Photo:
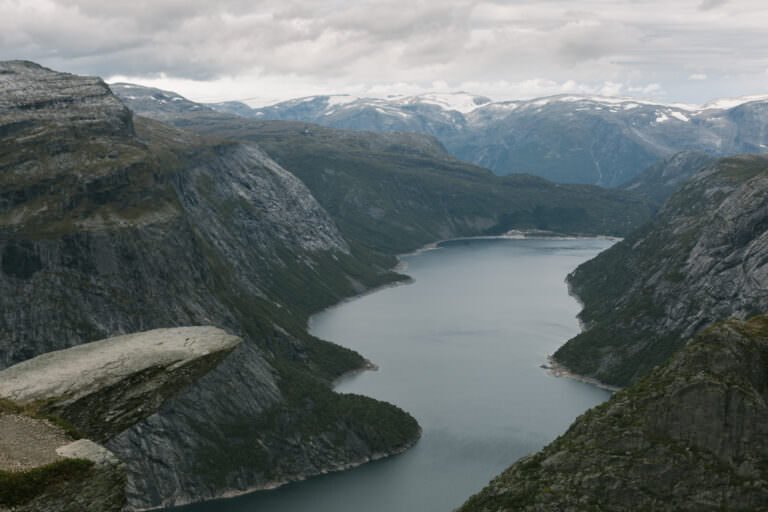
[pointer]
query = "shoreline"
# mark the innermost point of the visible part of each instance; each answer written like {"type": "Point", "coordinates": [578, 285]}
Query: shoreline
{"type": "Point", "coordinates": [553, 368]}
{"type": "Point", "coordinates": [368, 366]}
{"type": "Point", "coordinates": [276, 484]}
{"type": "Point", "coordinates": [402, 266]}
{"type": "Point", "coordinates": [557, 370]}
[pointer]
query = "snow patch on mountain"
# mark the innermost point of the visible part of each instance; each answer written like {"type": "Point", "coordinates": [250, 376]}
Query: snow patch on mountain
{"type": "Point", "coordinates": [726, 103]}
{"type": "Point", "coordinates": [342, 99]}
{"type": "Point", "coordinates": [459, 101]}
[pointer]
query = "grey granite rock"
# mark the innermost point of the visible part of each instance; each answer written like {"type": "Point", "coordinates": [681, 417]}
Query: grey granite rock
{"type": "Point", "coordinates": [105, 387]}
{"type": "Point", "coordinates": [88, 450]}
{"type": "Point", "coordinates": [703, 259]}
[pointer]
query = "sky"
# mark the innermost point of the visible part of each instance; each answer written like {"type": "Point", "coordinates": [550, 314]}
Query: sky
{"type": "Point", "coordinates": [263, 51]}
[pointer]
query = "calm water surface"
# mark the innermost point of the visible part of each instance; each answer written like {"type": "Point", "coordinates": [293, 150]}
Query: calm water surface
{"type": "Point", "coordinates": [460, 349]}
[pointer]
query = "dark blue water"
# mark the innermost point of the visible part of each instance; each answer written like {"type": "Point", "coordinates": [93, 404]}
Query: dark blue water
{"type": "Point", "coordinates": [460, 348]}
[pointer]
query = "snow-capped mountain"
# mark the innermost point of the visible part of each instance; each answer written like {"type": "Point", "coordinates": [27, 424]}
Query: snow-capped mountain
{"type": "Point", "coordinates": [157, 100]}
{"type": "Point", "coordinates": [566, 138]}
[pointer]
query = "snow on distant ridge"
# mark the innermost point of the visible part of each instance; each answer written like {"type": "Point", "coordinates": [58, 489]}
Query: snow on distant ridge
{"type": "Point", "coordinates": [459, 101]}
{"type": "Point", "coordinates": [466, 103]}
{"type": "Point", "coordinates": [726, 103]}
{"type": "Point", "coordinates": [341, 99]}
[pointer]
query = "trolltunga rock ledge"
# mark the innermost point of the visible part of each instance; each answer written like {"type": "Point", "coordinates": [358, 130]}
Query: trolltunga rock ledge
{"type": "Point", "coordinates": [104, 387]}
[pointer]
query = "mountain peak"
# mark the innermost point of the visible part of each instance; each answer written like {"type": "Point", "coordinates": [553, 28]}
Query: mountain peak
{"type": "Point", "coordinates": [30, 93]}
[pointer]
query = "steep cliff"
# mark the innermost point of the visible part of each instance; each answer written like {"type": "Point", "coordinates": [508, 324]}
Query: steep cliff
{"type": "Point", "coordinates": [104, 387]}
{"type": "Point", "coordinates": [704, 258]}
{"type": "Point", "coordinates": [395, 192]}
{"type": "Point", "coordinates": [96, 390]}
{"type": "Point", "coordinates": [111, 225]}
{"type": "Point", "coordinates": [691, 436]}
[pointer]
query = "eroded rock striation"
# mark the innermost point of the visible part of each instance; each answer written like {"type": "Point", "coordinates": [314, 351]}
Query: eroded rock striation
{"type": "Point", "coordinates": [702, 260]}
{"type": "Point", "coordinates": [691, 436]}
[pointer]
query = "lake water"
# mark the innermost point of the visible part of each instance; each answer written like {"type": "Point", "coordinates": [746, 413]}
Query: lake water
{"type": "Point", "coordinates": [460, 348]}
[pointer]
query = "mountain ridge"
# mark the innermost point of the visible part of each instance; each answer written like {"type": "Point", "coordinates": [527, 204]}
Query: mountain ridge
{"type": "Point", "coordinates": [701, 259]}
{"type": "Point", "coordinates": [395, 192]}
{"type": "Point", "coordinates": [565, 138]}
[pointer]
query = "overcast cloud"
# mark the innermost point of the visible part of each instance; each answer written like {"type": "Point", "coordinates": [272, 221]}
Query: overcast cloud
{"type": "Point", "coordinates": [685, 51]}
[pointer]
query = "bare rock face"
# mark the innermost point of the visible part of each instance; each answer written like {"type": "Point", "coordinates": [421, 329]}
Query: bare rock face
{"type": "Point", "coordinates": [106, 386]}
{"type": "Point", "coordinates": [30, 92]}
{"type": "Point", "coordinates": [692, 436]}
{"type": "Point", "coordinates": [110, 227]}
{"type": "Point", "coordinates": [702, 260]}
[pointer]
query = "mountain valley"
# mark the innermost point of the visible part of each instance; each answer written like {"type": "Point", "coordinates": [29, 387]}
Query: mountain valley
{"type": "Point", "coordinates": [129, 209]}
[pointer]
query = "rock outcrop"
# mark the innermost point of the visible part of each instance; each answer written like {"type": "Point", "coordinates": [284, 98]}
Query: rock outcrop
{"type": "Point", "coordinates": [104, 387]}
{"type": "Point", "coordinates": [100, 389]}
{"type": "Point", "coordinates": [702, 260]}
{"type": "Point", "coordinates": [111, 224]}
{"type": "Point", "coordinates": [691, 436]}
{"type": "Point", "coordinates": [31, 94]}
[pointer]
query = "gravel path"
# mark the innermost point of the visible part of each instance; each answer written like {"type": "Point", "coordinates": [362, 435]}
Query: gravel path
{"type": "Point", "coordinates": [27, 443]}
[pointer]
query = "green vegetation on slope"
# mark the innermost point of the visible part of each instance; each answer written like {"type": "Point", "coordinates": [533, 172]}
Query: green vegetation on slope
{"type": "Point", "coordinates": [18, 488]}
{"type": "Point", "coordinates": [396, 192]}
{"type": "Point", "coordinates": [701, 260]}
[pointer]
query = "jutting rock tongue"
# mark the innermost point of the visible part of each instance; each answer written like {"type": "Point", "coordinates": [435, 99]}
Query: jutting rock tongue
{"type": "Point", "coordinates": [104, 387]}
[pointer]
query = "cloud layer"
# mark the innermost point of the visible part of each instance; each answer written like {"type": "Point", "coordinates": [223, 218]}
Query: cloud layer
{"type": "Point", "coordinates": [275, 49]}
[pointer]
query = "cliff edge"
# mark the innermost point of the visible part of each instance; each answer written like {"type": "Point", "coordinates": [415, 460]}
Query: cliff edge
{"type": "Point", "coordinates": [97, 390]}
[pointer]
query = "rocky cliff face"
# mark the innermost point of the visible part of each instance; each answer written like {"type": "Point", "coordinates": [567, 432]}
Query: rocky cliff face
{"type": "Point", "coordinates": [111, 225]}
{"type": "Point", "coordinates": [30, 94]}
{"type": "Point", "coordinates": [99, 390]}
{"type": "Point", "coordinates": [104, 387]}
{"type": "Point", "coordinates": [689, 437]}
{"type": "Point", "coordinates": [395, 192]}
{"type": "Point", "coordinates": [703, 259]}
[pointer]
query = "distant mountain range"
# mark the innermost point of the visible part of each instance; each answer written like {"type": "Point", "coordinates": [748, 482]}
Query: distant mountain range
{"type": "Point", "coordinates": [394, 192]}
{"type": "Point", "coordinates": [567, 138]}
